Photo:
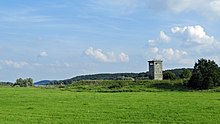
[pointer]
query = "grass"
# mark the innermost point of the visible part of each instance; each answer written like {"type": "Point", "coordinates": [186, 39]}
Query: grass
{"type": "Point", "coordinates": [37, 105]}
{"type": "Point", "coordinates": [127, 85]}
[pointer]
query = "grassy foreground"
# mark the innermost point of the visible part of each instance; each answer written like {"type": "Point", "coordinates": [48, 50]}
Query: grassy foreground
{"type": "Point", "coordinates": [36, 105]}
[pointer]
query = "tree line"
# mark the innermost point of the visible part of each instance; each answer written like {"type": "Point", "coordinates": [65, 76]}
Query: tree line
{"type": "Point", "coordinates": [205, 75]}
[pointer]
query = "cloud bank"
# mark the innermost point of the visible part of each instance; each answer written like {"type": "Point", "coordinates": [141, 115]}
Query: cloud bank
{"type": "Point", "coordinates": [186, 43]}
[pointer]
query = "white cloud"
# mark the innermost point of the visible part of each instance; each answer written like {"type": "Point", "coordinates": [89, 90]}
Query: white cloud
{"type": "Point", "coordinates": [154, 49]}
{"type": "Point", "coordinates": [14, 64]}
{"type": "Point", "coordinates": [123, 57]}
{"type": "Point", "coordinates": [181, 5]}
{"type": "Point", "coordinates": [177, 30]}
{"type": "Point", "coordinates": [43, 54]}
{"type": "Point", "coordinates": [151, 43]}
{"type": "Point", "coordinates": [173, 54]}
{"type": "Point", "coordinates": [208, 8]}
{"type": "Point", "coordinates": [102, 56]}
{"type": "Point", "coordinates": [194, 35]}
{"type": "Point", "coordinates": [187, 44]}
{"type": "Point", "coordinates": [215, 6]}
{"type": "Point", "coordinates": [167, 53]}
{"type": "Point", "coordinates": [164, 37]}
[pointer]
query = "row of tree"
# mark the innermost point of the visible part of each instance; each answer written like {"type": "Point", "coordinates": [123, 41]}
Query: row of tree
{"type": "Point", "coordinates": [205, 75]}
{"type": "Point", "coordinates": [185, 74]}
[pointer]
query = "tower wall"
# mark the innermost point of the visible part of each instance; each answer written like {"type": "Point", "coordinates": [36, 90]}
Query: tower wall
{"type": "Point", "coordinates": [156, 70]}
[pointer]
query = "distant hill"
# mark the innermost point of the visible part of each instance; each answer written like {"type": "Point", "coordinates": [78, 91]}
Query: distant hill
{"type": "Point", "coordinates": [43, 82]}
{"type": "Point", "coordinates": [107, 76]}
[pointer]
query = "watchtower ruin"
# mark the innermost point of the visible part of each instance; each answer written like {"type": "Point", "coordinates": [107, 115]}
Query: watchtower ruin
{"type": "Point", "coordinates": [156, 70]}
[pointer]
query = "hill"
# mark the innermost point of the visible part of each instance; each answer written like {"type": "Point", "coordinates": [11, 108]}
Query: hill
{"type": "Point", "coordinates": [43, 82]}
{"type": "Point", "coordinates": [108, 76]}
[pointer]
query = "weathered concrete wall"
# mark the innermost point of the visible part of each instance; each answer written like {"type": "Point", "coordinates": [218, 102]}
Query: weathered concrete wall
{"type": "Point", "coordinates": [156, 70]}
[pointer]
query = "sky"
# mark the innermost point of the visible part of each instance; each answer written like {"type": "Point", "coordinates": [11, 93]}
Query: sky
{"type": "Point", "coordinates": [60, 39]}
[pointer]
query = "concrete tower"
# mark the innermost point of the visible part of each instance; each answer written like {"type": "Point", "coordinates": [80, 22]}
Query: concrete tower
{"type": "Point", "coordinates": [156, 70]}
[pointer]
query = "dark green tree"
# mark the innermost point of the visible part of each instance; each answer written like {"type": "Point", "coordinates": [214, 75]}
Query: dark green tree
{"type": "Point", "coordinates": [205, 75]}
{"type": "Point", "coordinates": [186, 74]}
{"type": "Point", "coordinates": [169, 75]}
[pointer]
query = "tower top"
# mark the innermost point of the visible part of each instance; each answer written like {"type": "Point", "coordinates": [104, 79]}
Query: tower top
{"type": "Point", "coordinates": [156, 60]}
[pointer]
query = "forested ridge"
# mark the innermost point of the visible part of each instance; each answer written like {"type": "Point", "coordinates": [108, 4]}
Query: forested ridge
{"type": "Point", "coordinates": [110, 76]}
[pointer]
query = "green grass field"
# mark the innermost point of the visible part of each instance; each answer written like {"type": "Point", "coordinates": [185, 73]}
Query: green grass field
{"type": "Point", "coordinates": [36, 105]}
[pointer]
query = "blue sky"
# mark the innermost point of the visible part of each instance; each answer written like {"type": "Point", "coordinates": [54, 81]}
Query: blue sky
{"type": "Point", "coordinates": [59, 39]}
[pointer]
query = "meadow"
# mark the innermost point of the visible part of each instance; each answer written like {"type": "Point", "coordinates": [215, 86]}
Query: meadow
{"type": "Point", "coordinates": [40, 105]}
